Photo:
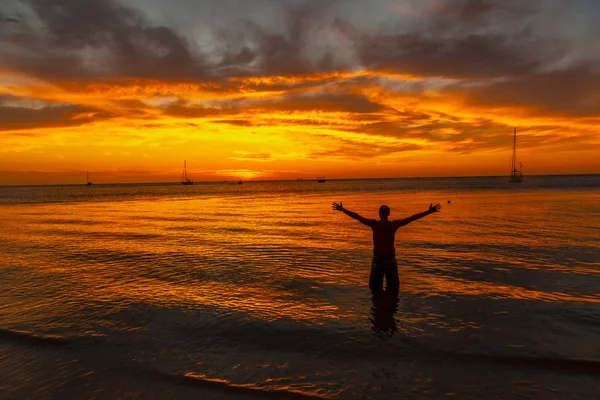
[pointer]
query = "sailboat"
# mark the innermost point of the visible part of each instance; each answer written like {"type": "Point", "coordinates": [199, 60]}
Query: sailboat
{"type": "Point", "coordinates": [184, 178]}
{"type": "Point", "coordinates": [516, 175]}
{"type": "Point", "coordinates": [321, 179]}
{"type": "Point", "coordinates": [87, 178]}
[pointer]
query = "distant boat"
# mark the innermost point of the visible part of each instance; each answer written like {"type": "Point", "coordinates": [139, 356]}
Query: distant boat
{"type": "Point", "coordinates": [321, 179]}
{"type": "Point", "coordinates": [87, 178]}
{"type": "Point", "coordinates": [240, 182]}
{"type": "Point", "coordinates": [516, 175]}
{"type": "Point", "coordinates": [184, 178]}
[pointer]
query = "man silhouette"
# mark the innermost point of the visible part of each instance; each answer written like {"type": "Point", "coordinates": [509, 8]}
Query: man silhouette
{"type": "Point", "coordinates": [384, 253]}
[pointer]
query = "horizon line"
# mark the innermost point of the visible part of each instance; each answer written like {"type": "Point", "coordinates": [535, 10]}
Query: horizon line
{"type": "Point", "coordinates": [286, 180]}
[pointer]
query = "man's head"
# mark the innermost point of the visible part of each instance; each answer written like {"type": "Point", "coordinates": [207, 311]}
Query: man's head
{"type": "Point", "coordinates": [384, 212]}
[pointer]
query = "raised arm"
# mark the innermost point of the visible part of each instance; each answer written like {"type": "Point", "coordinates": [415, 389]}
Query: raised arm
{"type": "Point", "coordinates": [352, 214]}
{"type": "Point", "coordinates": [432, 209]}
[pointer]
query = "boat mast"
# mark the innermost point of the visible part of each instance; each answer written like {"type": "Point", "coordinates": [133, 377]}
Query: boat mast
{"type": "Point", "coordinates": [514, 159]}
{"type": "Point", "coordinates": [184, 175]}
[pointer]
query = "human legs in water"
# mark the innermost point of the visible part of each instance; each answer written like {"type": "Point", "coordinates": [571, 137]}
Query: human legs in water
{"type": "Point", "coordinates": [384, 267]}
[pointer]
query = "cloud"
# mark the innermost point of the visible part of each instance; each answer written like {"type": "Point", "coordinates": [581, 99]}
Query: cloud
{"type": "Point", "coordinates": [324, 101]}
{"type": "Point", "coordinates": [18, 114]}
{"type": "Point", "coordinates": [451, 75]}
{"type": "Point", "coordinates": [4, 19]}
{"type": "Point", "coordinates": [100, 39]}
{"type": "Point", "coordinates": [103, 39]}
{"type": "Point", "coordinates": [182, 109]}
{"type": "Point", "coordinates": [96, 39]}
{"type": "Point", "coordinates": [293, 109]}
{"type": "Point", "coordinates": [465, 15]}
{"type": "Point", "coordinates": [474, 56]}
{"type": "Point", "coordinates": [345, 149]}
{"type": "Point", "coordinates": [247, 156]}
{"type": "Point", "coordinates": [254, 49]}
{"type": "Point", "coordinates": [571, 92]}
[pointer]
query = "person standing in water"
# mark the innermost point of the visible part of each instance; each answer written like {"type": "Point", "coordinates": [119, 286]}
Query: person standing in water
{"type": "Point", "coordinates": [384, 253]}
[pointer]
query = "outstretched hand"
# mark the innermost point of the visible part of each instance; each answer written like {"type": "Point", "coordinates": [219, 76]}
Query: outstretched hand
{"type": "Point", "coordinates": [337, 207]}
{"type": "Point", "coordinates": [435, 208]}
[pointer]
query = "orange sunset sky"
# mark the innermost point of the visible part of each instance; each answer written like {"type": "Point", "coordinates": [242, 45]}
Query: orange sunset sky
{"type": "Point", "coordinates": [265, 89]}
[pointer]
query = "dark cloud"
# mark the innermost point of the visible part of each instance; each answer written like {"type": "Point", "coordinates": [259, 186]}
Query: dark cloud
{"type": "Point", "coordinates": [460, 16]}
{"type": "Point", "coordinates": [97, 38]}
{"type": "Point", "coordinates": [351, 150]}
{"type": "Point", "coordinates": [251, 121]}
{"type": "Point", "coordinates": [328, 102]}
{"type": "Point", "coordinates": [305, 102]}
{"type": "Point", "coordinates": [302, 85]}
{"type": "Point", "coordinates": [464, 39]}
{"type": "Point", "coordinates": [182, 109]}
{"type": "Point", "coordinates": [490, 46]}
{"type": "Point", "coordinates": [468, 10]}
{"type": "Point", "coordinates": [256, 50]}
{"type": "Point", "coordinates": [473, 56]}
{"type": "Point", "coordinates": [129, 104]}
{"type": "Point", "coordinates": [18, 118]}
{"type": "Point", "coordinates": [5, 19]}
{"type": "Point", "coordinates": [238, 122]}
{"type": "Point", "coordinates": [573, 92]}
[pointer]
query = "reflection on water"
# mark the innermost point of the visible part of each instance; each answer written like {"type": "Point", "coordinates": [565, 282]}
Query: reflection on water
{"type": "Point", "coordinates": [384, 308]}
{"type": "Point", "coordinates": [137, 291]}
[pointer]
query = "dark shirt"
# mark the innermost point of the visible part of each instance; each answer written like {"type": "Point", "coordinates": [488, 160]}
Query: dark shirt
{"type": "Point", "coordinates": [384, 234]}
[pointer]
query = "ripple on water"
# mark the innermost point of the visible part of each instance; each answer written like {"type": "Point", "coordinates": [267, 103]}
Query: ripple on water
{"type": "Point", "coordinates": [269, 294]}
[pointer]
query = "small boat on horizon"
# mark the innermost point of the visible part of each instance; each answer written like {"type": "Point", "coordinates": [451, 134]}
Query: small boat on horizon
{"type": "Point", "coordinates": [516, 175]}
{"type": "Point", "coordinates": [321, 179]}
{"type": "Point", "coordinates": [240, 182]}
{"type": "Point", "coordinates": [87, 178]}
{"type": "Point", "coordinates": [184, 177]}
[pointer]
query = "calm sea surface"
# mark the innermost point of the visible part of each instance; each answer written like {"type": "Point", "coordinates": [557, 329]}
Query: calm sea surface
{"type": "Point", "coordinates": [260, 290]}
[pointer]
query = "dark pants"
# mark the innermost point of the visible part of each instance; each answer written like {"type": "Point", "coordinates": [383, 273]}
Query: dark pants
{"type": "Point", "coordinates": [384, 266]}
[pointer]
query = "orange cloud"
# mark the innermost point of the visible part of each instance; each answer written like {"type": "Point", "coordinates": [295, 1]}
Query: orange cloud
{"type": "Point", "coordinates": [131, 99]}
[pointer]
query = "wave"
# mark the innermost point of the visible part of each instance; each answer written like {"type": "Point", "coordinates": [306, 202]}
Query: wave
{"type": "Point", "coordinates": [567, 365]}
{"type": "Point", "coordinates": [226, 386]}
{"type": "Point", "coordinates": [101, 234]}
{"type": "Point", "coordinates": [31, 338]}
{"type": "Point", "coordinates": [316, 340]}
{"type": "Point", "coordinates": [69, 222]}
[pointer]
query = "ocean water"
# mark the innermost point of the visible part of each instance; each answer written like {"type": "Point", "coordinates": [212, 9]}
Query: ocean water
{"type": "Point", "coordinates": [224, 291]}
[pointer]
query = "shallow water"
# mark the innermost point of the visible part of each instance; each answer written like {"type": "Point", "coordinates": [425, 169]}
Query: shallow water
{"type": "Point", "coordinates": [254, 290]}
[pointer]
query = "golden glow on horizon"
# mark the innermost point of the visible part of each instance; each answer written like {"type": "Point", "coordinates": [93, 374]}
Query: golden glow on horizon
{"type": "Point", "coordinates": [278, 127]}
